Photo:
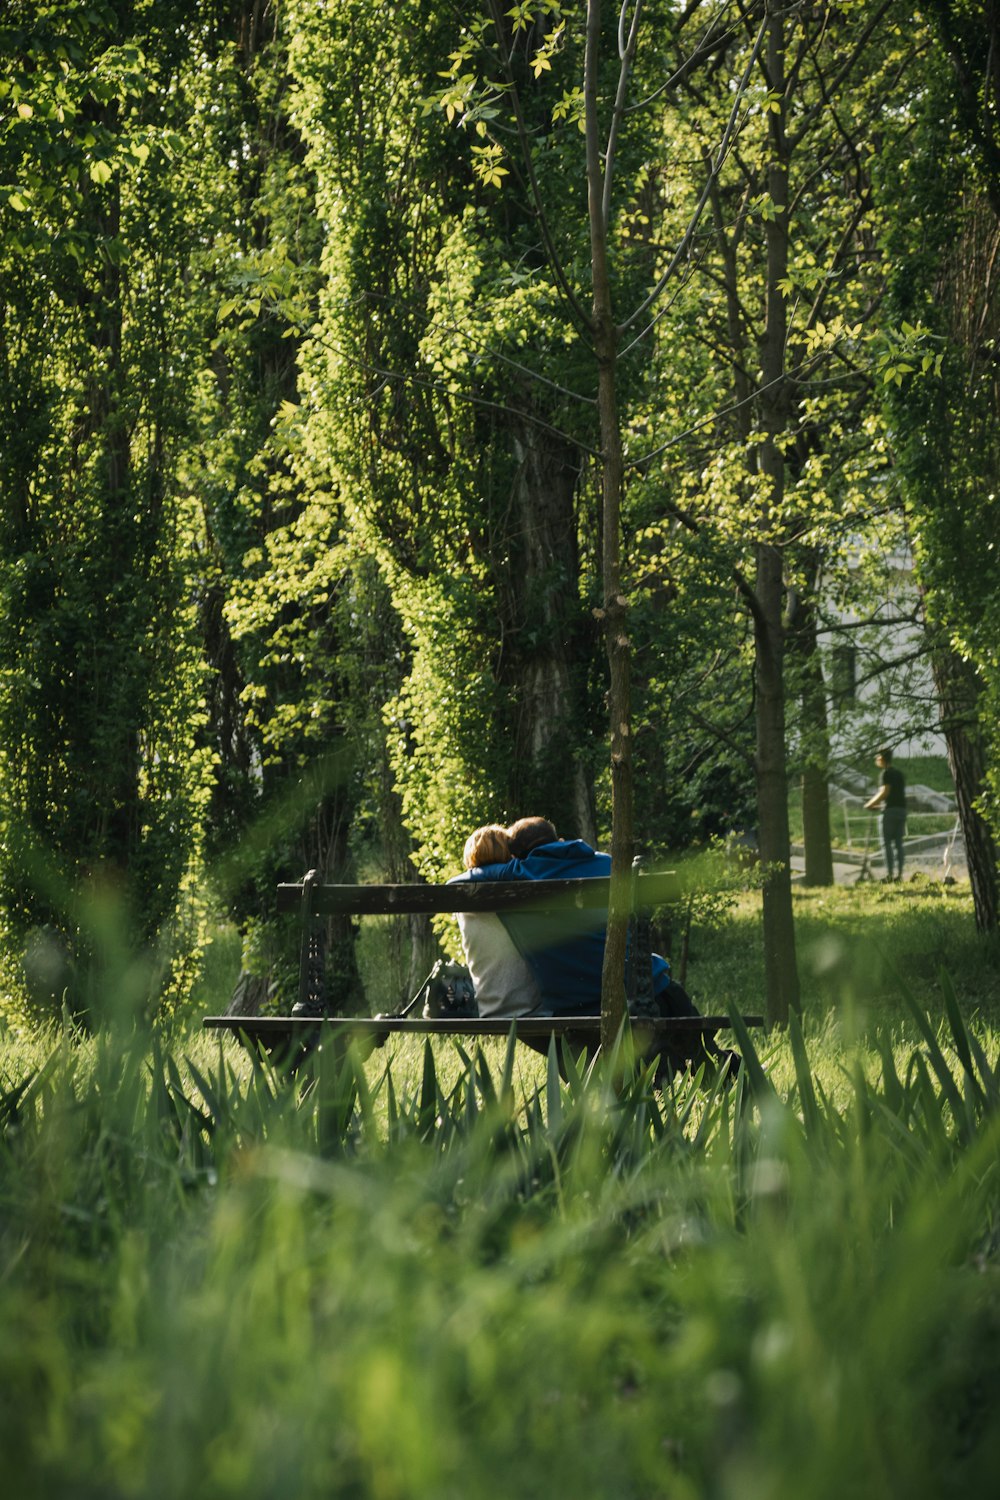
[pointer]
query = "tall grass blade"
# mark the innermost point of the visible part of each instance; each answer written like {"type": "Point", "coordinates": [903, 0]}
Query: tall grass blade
{"type": "Point", "coordinates": [892, 1088]}
{"type": "Point", "coordinates": [391, 1106]}
{"type": "Point", "coordinates": [658, 1119]}
{"type": "Point", "coordinates": [743, 1117]}
{"type": "Point", "coordinates": [553, 1087]}
{"type": "Point", "coordinates": [904, 1143]}
{"type": "Point", "coordinates": [471, 1115]}
{"type": "Point", "coordinates": [11, 1100]}
{"type": "Point", "coordinates": [929, 1115]}
{"type": "Point", "coordinates": [466, 1060]}
{"type": "Point", "coordinates": [570, 1069]}
{"type": "Point", "coordinates": [31, 1087]}
{"type": "Point", "coordinates": [335, 1095]}
{"type": "Point", "coordinates": [507, 1077]}
{"type": "Point", "coordinates": [216, 1104]}
{"type": "Point", "coordinates": [427, 1108]}
{"type": "Point", "coordinates": [862, 1101]}
{"type": "Point", "coordinates": [960, 1036]}
{"type": "Point", "coordinates": [803, 1078]}
{"type": "Point", "coordinates": [934, 1053]}
{"type": "Point", "coordinates": [990, 1076]}
{"type": "Point", "coordinates": [760, 1084]}
{"type": "Point", "coordinates": [487, 1087]}
{"type": "Point", "coordinates": [362, 1093]}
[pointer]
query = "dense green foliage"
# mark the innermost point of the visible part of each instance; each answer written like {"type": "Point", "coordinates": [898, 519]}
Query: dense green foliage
{"type": "Point", "coordinates": [301, 536]}
{"type": "Point", "coordinates": [103, 771]}
{"type": "Point", "coordinates": [301, 543]}
{"type": "Point", "coordinates": [944, 419]}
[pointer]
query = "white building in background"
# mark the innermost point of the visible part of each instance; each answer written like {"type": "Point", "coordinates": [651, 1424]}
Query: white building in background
{"type": "Point", "coordinates": [881, 692]}
{"type": "Point", "coordinates": [881, 689]}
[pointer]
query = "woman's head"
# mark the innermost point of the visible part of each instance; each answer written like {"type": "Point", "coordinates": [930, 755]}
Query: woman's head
{"type": "Point", "coordinates": [489, 845]}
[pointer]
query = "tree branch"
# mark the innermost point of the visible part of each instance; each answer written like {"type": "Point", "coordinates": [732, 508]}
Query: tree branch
{"type": "Point", "coordinates": [575, 305]}
{"type": "Point", "coordinates": [723, 151]}
{"type": "Point", "coordinates": [626, 51]}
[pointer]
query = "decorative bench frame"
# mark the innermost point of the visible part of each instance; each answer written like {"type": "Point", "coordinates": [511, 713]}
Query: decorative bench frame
{"type": "Point", "coordinates": [290, 1039]}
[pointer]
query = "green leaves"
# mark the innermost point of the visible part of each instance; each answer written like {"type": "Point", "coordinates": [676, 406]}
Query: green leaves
{"type": "Point", "coordinates": [487, 164]}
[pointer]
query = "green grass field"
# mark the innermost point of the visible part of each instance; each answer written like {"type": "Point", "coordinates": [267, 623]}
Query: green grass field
{"type": "Point", "coordinates": [430, 1274]}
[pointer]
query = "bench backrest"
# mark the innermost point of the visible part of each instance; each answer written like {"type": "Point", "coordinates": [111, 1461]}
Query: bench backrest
{"type": "Point", "coordinates": [311, 898]}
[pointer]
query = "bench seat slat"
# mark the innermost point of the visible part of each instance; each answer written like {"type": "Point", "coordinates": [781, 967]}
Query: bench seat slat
{"type": "Point", "coordinates": [275, 1027]}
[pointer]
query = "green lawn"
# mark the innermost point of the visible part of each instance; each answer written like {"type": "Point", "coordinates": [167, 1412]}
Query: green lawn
{"type": "Point", "coordinates": [857, 946]}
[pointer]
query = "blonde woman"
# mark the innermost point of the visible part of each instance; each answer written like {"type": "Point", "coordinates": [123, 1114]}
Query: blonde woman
{"type": "Point", "coordinates": [504, 984]}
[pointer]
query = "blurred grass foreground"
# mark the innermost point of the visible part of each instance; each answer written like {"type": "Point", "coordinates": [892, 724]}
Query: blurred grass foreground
{"type": "Point", "coordinates": [436, 1274]}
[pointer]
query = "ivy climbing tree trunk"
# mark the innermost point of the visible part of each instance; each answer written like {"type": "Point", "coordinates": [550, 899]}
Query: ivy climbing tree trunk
{"type": "Point", "coordinates": [958, 690]}
{"type": "Point", "coordinates": [537, 585]}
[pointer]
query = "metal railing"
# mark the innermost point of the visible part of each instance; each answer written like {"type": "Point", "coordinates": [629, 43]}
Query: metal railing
{"type": "Point", "coordinates": [920, 827]}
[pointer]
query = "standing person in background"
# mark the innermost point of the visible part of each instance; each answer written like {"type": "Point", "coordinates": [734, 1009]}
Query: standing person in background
{"type": "Point", "coordinates": [891, 797]}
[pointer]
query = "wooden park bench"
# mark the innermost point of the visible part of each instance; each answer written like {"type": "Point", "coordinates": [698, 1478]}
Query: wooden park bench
{"type": "Point", "coordinates": [289, 1039]}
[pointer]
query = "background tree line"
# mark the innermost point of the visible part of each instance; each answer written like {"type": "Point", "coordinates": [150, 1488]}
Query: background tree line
{"type": "Point", "coordinates": [301, 534]}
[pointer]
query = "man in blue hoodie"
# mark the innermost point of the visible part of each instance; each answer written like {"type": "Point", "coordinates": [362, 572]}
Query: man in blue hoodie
{"type": "Point", "coordinates": [565, 951]}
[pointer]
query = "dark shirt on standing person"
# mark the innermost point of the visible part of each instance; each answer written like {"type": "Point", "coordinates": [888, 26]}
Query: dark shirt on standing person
{"type": "Point", "coordinates": [896, 783]}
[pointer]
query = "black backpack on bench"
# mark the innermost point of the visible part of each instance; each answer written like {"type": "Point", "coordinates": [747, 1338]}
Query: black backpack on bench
{"type": "Point", "coordinates": [448, 993]}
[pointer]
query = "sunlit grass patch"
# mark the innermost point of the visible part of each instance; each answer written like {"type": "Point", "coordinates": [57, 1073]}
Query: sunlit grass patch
{"type": "Point", "coordinates": [856, 945]}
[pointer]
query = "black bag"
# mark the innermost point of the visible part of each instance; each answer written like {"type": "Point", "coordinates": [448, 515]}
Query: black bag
{"type": "Point", "coordinates": [448, 993]}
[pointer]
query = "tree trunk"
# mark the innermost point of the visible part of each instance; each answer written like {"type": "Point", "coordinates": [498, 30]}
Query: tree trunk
{"type": "Point", "coordinates": [780, 971]}
{"type": "Point", "coordinates": [324, 847]}
{"type": "Point", "coordinates": [765, 598]}
{"type": "Point", "coordinates": [613, 1003]}
{"type": "Point", "coordinates": [816, 826]}
{"type": "Point", "coordinates": [249, 994]}
{"type": "Point", "coordinates": [538, 591]}
{"type": "Point", "coordinates": [958, 693]}
{"type": "Point", "coordinates": [815, 737]}
{"type": "Point", "coordinates": [781, 975]}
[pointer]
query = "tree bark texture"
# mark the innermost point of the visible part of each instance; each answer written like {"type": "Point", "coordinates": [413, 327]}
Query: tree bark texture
{"type": "Point", "coordinates": [781, 974]}
{"type": "Point", "coordinates": [958, 694]}
{"type": "Point", "coordinates": [780, 970]}
{"type": "Point", "coordinates": [538, 594]}
{"type": "Point", "coordinates": [619, 705]}
{"type": "Point", "coordinates": [803, 644]}
{"type": "Point", "coordinates": [613, 1004]}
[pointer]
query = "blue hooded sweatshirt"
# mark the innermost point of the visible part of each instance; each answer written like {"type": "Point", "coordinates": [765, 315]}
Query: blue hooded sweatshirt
{"type": "Point", "coordinates": [565, 950]}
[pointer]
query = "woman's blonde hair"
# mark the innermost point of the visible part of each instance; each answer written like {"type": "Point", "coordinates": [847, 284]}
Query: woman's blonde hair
{"type": "Point", "coordinates": [489, 845]}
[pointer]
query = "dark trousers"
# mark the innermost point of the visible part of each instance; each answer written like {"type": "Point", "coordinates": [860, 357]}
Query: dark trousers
{"type": "Point", "coordinates": [674, 1000]}
{"type": "Point", "coordinates": [893, 828]}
